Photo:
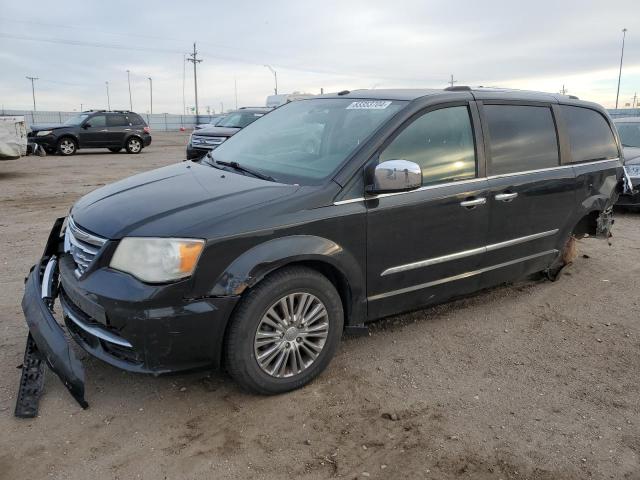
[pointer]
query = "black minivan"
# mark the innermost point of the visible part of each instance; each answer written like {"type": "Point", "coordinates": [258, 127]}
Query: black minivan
{"type": "Point", "coordinates": [259, 256]}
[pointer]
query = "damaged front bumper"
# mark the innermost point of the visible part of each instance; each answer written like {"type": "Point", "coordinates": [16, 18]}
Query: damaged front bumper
{"type": "Point", "coordinates": [51, 343]}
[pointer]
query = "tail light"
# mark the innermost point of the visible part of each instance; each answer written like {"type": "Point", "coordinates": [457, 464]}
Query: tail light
{"type": "Point", "coordinates": [147, 130]}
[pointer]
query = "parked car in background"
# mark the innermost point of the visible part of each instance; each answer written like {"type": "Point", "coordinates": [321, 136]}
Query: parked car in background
{"type": "Point", "coordinates": [275, 101]}
{"type": "Point", "coordinates": [206, 139]}
{"type": "Point", "coordinates": [629, 131]}
{"type": "Point", "coordinates": [260, 256]}
{"type": "Point", "coordinates": [113, 130]}
{"type": "Point", "coordinates": [212, 123]}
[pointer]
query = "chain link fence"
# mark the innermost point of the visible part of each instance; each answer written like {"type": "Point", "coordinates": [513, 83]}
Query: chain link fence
{"type": "Point", "coordinates": [161, 122]}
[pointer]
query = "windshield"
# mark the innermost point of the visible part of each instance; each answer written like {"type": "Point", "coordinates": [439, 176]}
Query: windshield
{"type": "Point", "coordinates": [239, 119]}
{"type": "Point", "coordinates": [76, 120]}
{"type": "Point", "coordinates": [305, 141]}
{"type": "Point", "coordinates": [629, 134]}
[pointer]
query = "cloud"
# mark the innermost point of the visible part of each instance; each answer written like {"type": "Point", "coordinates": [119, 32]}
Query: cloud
{"type": "Point", "coordinates": [332, 45]}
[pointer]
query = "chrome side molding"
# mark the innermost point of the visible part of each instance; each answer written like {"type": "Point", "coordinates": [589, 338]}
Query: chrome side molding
{"type": "Point", "coordinates": [460, 276]}
{"type": "Point", "coordinates": [467, 253]}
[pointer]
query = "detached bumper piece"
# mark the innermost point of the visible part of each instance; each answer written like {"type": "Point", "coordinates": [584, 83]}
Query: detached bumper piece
{"type": "Point", "coordinates": [47, 341]}
{"type": "Point", "coordinates": [31, 381]}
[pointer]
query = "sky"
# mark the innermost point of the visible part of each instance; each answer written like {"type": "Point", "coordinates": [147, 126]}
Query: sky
{"type": "Point", "coordinates": [74, 47]}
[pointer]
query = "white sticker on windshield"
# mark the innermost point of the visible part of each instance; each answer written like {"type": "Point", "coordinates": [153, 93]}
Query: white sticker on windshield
{"type": "Point", "coordinates": [369, 105]}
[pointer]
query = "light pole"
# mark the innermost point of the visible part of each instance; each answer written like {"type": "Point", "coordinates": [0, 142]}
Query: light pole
{"type": "Point", "coordinates": [108, 99]}
{"type": "Point", "coordinates": [624, 34]}
{"type": "Point", "coordinates": [151, 95]}
{"type": "Point", "coordinates": [33, 91]}
{"type": "Point", "coordinates": [129, 80]}
{"type": "Point", "coordinates": [275, 77]}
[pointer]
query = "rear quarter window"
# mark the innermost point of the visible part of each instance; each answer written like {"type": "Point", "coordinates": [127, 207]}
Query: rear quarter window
{"type": "Point", "coordinates": [136, 119]}
{"type": "Point", "coordinates": [590, 135]}
{"type": "Point", "coordinates": [521, 138]}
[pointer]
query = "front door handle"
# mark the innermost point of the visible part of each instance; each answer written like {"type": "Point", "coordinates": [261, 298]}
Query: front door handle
{"type": "Point", "coordinates": [105, 130]}
{"type": "Point", "coordinates": [473, 203]}
{"type": "Point", "coordinates": [506, 197]}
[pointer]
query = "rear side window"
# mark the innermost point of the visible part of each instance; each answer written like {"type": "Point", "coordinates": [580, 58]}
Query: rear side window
{"type": "Point", "coordinates": [117, 121]}
{"type": "Point", "coordinates": [521, 138]}
{"type": "Point", "coordinates": [441, 142]}
{"type": "Point", "coordinates": [590, 136]}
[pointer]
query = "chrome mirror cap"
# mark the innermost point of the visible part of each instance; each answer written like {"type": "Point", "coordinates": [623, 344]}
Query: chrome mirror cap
{"type": "Point", "coordinates": [395, 176]}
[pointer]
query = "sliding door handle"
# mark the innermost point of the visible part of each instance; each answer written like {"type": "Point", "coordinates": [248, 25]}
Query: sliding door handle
{"type": "Point", "coordinates": [473, 203]}
{"type": "Point", "coordinates": [506, 197]}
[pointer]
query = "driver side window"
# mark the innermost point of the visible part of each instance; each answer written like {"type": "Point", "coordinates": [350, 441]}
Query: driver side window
{"type": "Point", "coordinates": [97, 121]}
{"type": "Point", "coordinates": [440, 142]}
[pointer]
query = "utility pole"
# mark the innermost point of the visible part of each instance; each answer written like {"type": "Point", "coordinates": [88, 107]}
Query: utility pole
{"type": "Point", "coordinates": [563, 91]}
{"type": "Point", "coordinates": [235, 88]}
{"type": "Point", "coordinates": [452, 81]}
{"type": "Point", "coordinates": [193, 58]}
{"type": "Point", "coordinates": [221, 107]}
{"type": "Point", "coordinates": [151, 95]}
{"type": "Point", "coordinates": [635, 97]}
{"type": "Point", "coordinates": [624, 34]}
{"type": "Point", "coordinates": [129, 80]}
{"type": "Point", "coordinates": [108, 99]}
{"type": "Point", "coordinates": [33, 90]}
{"type": "Point", "coordinates": [184, 74]}
{"type": "Point", "coordinates": [275, 77]}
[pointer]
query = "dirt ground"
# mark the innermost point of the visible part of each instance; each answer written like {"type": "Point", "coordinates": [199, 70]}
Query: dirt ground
{"type": "Point", "coordinates": [534, 380]}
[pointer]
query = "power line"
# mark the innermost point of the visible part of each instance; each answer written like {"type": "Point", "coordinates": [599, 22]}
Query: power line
{"type": "Point", "coordinates": [193, 58]}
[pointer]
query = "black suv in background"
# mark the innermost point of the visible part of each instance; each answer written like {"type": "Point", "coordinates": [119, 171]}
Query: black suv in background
{"type": "Point", "coordinates": [204, 139]}
{"type": "Point", "coordinates": [114, 130]}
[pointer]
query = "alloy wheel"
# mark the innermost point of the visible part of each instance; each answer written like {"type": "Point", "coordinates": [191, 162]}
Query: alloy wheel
{"type": "Point", "coordinates": [67, 147]}
{"type": "Point", "coordinates": [134, 145]}
{"type": "Point", "coordinates": [291, 335]}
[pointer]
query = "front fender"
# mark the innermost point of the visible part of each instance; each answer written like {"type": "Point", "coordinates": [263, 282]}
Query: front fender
{"type": "Point", "coordinates": [257, 262]}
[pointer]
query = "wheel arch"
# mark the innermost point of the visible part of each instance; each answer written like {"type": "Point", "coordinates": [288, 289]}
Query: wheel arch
{"type": "Point", "coordinates": [318, 253]}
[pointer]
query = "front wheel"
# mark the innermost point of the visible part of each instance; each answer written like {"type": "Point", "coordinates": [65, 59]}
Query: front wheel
{"type": "Point", "coordinates": [284, 332]}
{"type": "Point", "coordinates": [134, 145]}
{"type": "Point", "coordinates": [67, 146]}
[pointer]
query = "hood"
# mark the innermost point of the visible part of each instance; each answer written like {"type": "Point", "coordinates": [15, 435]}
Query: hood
{"type": "Point", "coordinates": [217, 131]}
{"type": "Point", "coordinates": [177, 200]}
{"type": "Point", "coordinates": [631, 155]}
{"type": "Point", "coordinates": [45, 126]}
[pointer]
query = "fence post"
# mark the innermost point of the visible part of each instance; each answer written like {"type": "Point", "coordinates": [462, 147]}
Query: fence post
{"type": "Point", "coordinates": [165, 123]}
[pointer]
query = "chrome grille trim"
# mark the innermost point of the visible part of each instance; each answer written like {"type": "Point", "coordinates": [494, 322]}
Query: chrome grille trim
{"type": "Point", "coordinates": [82, 245]}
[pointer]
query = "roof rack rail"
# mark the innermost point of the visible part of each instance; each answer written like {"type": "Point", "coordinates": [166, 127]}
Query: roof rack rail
{"type": "Point", "coordinates": [458, 88]}
{"type": "Point", "coordinates": [573, 97]}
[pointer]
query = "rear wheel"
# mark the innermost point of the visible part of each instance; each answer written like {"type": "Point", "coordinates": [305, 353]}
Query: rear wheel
{"type": "Point", "coordinates": [284, 331]}
{"type": "Point", "coordinates": [134, 145]}
{"type": "Point", "coordinates": [115, 149]}
{"type": "Point", "coordinates": [67, 146]}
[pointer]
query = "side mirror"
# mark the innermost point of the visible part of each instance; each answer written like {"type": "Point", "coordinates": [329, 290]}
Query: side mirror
{"type": "Point", "coordinates": [86, 125]}
{"type": "Point", "coordinates": [395, 176]}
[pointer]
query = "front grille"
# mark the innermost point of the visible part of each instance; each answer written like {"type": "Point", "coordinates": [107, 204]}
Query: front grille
{"type": "Point", "coordinates": [83, 246]}
{"type": "Point", "coordinates": [202, 141]}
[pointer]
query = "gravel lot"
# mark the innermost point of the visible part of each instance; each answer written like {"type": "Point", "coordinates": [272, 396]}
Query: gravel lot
{"type": "Point", "coordinates": [533, 380]}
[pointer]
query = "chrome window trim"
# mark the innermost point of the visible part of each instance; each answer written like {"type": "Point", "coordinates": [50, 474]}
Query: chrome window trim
{"type": "Point", "coordinates": [466, 253]}
{"type": "Point", "coordinates": [460, 276]}
{"type": "Point", "coordinates": [460, 182]}
{"type": "Point", "coordinates": [95, 331]}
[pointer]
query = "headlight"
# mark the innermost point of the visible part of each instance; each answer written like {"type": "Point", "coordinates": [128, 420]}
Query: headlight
{"type": "Point", "coordinates": [42, 133]}
{"type": "Point", "coordinates": [156, 260]}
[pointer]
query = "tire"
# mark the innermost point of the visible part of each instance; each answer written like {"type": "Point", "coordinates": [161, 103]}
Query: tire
{"type": "Point", "coordinates": [293, 345]}
{"type": "Point", "coordinates": [67, 146]}
{"type": "Point", "coordinates": [134, 145]}
{"type": "Point", "coordinates": [115, 149]}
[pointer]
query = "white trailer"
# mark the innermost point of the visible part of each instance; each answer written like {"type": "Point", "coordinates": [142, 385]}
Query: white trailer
{"type": "Point", "coordinates": [13, 137]}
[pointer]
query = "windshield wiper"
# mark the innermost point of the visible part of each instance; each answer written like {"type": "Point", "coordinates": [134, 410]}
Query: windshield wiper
{"type": "Point", "coordinates": [237, 166]}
